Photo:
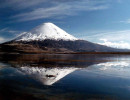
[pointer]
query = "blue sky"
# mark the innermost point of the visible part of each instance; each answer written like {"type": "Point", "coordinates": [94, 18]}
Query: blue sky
{"type": "Point", "coordinates": [101, 21]}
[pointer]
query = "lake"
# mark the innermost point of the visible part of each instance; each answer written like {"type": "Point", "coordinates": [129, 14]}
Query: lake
{"type": "Point", "coordinates": [64, 77]}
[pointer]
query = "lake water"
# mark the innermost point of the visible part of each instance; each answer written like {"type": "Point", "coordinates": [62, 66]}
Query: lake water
{"type": "Point", "coordinates": [64, 77]}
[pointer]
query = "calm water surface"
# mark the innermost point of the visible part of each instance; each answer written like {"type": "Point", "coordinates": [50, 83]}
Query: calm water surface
{"type": "Point", "coordinates": [64, 77]}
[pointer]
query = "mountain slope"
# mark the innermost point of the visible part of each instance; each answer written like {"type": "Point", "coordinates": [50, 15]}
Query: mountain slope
{"type": "Point", "coordinates": [54, 46]}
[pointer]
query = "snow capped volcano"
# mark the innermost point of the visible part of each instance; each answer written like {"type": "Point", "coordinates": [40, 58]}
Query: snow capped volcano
{"type": "Point", "coordinates": [46, 31]}
{"type": "Point", "coordinates": [48, 38]}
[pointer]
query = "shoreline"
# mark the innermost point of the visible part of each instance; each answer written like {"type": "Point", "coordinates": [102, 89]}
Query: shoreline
{"type": "Point", "coordinates": [121, 53]}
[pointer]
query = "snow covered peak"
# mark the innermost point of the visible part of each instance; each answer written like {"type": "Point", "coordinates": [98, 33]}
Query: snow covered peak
{"type": "Point", "coordinates": [46, 31]}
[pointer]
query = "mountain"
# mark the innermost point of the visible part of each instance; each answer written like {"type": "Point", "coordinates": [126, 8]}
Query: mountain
{"type": "Point", "coordinates": [48, 38]}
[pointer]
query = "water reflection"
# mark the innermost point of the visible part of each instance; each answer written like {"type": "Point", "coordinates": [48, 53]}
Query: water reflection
{"type": "Point", "coordinates": [48, 69]}
{"type": "Point", "coordinates": [47, 76]}
{"type": "Point", "coordinates": [64, 77]}
{"type": "Point", "coordinates": [59, 60]}
{"type": "Point", "coordinates": [115, 68]}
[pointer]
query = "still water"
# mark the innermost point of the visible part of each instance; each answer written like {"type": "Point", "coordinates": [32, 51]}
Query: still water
{"type": "Point", "coordinates": [64, 77]}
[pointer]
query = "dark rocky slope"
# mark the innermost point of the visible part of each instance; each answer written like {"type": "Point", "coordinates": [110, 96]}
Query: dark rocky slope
{"type": "Point", "coordinates": [54, 46]}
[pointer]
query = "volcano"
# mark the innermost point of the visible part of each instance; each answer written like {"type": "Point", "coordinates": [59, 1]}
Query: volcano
{"type": "Point", "coordinates": [49, 38]}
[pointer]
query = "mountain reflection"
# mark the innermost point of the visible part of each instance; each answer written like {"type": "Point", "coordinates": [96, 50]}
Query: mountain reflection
{"type": "Point", "coordinates": [47, 76]}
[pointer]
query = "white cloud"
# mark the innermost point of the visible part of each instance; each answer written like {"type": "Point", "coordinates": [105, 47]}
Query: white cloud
{"type": "Point", "coordinates": [112, 65]}
{"type": "Point", "coordinates": [2, 30]}
{"type": "Point", "coordinates": [119, 39]}
{"type": "Point", "coordinates": [2, 39]}
{"type": "Point", "coordinates": [9, 31]}
{"type": "Point", "coordinates": [120, 44]}
{"type": "Point", "coordinates": [112, 35]}
{"type": "Point", "coordinates": [126, 21]}
{"type": "Point", "coordinates": [61, 9]}
{"type": "Point", "coordinates": [14, 33]}
{"type": "Point", "coordinates": [20, 4]}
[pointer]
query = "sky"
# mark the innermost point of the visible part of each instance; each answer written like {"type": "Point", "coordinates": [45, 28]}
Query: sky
{"type": "Point", "coordinates": [106, 22]}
